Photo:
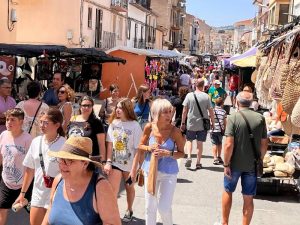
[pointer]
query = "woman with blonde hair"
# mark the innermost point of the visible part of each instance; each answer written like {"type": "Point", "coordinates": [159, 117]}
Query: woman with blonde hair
{"type": "Point", "coordinates": [123, 138]}
{"type": "Point", "coordinates": [66, 96]}
{"type": "Point", "coordinates": [164, 143]}
{"type": "Point", "coordinates": [142, 104]}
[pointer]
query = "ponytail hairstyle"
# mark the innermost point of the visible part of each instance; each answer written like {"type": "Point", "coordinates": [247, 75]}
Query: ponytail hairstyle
{"type": "Point", "coordinates": [55, 116]}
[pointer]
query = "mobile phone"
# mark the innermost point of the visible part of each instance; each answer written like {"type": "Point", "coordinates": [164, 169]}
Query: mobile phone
{"type": "Point", "coordinates": [129, 181]}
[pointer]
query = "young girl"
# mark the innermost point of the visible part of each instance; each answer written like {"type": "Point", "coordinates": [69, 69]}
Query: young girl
{"type": "Point", "coordinates": [123, 138]}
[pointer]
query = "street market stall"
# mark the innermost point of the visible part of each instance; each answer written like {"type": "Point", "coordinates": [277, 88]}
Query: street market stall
{"type": "Point", "coordinates": [143, 66]}
{"type": "Point", "coordinates": [277, 83]}
{"type": "Point", "coordinates": [38, 62]}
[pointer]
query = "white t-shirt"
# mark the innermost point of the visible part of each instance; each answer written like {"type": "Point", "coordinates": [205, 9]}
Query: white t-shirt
{"type": "Point", "coordinates": [13, 151]}
{"type": "Point", "coordinates": [185, 79]}
{"type": "Point", "coordinates": [125, 137]}
{"type": "Point", "coordinates": [41, 194]}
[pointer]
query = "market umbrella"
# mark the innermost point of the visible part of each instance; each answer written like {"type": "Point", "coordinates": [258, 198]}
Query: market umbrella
{"type": "Point", "coordinates": [247, 59]}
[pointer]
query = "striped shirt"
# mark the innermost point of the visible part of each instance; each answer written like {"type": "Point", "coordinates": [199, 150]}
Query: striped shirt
{"type": "Point", "coordinates": [221, 114]}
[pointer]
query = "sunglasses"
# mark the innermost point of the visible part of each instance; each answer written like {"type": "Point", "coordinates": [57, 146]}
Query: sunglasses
{"type": "Point", "coordinates": [66, 162]}
{"type": "Point", "coordinates": [61, 92]}
{"type": "Point", "coordinates": [86, 106]}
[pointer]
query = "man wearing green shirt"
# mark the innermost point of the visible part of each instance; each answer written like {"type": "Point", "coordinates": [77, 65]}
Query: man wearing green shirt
{"type": "Point", "coordinates": [216, 91]}
{"type": "Point", "coordinates": [239, 158]}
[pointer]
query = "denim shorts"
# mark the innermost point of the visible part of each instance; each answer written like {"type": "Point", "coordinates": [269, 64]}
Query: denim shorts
{"type": "Point", "coordinates": [248, 182]}
{"type": "Point", "coordinates": [199, 135]}
{"type": "Point", "coordinates": [233, 93]}
{"type": "Point", "coordinates": [216, 138]}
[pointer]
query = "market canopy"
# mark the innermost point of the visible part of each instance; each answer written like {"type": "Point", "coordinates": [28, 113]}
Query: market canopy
{"type": "Point", "coordinates": [29, 51]}
{"type": "Point", "coordinates": [154, 53]}
{"type": "Point", "coordinates": [247, 59]}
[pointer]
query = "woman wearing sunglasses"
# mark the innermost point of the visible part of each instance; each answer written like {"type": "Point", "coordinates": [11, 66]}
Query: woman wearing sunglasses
{"type": "Point", "coordinates": [86, 124]}
{"type": "Point", "coordinates": [41, 167]}
{"type": "Point", "coordinates": [80, 195]}
{"type": "Point", "coordinates": [66, 96]}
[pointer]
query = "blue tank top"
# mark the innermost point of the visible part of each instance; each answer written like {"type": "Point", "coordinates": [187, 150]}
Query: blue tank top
{"type": "Point", "coordinates": [142, 110]}
{"type": "Point", "coordinates": [167, 165]}
{"type": "Point", "coordinates": [81, 212]}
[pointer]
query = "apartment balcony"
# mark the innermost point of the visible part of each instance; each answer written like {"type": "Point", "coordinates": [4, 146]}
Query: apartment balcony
{"type": "Point", "coordinates": [119, 5]}
{"type": "Point", "coordinates": [108, 40]}
{"type": "Point", "coordinates": [143, 5]}
{"type": "Point", "coordinates": [142, 43]}
{"type": "Point", "coordinates": [135, 43]}
{"type": "Point", "coordinates": [151, 39]}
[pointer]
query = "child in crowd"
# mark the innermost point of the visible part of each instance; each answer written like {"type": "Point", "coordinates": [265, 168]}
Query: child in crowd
{"type": "Point", "coordinates": [218, 133]}
{"type": "Point", "coordinates": [14, 144]}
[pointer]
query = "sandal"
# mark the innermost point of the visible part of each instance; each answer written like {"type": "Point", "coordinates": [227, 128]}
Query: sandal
{"type": "Point", "coordinates": [220, 160]}
{"type": "Point", "coordinates": [198, 166]}
{"type": "Point", "coordinates": [216, 162]}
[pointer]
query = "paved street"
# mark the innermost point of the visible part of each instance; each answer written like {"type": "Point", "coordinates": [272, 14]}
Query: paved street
{"type": "Point", "coordinates": [198, 201]}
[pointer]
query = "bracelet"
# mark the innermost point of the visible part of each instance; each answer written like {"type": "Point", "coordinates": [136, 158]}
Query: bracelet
{"type": "Point", "coordinates": [108, 162]}
{"type": "Point", "coordinates": [224, 165]}
{"type": "Point", "coordinates": [23, 192]}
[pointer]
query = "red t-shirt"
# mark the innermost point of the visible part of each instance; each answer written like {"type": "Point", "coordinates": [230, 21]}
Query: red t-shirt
{"type": "Point", "coordinates": [233, 83]}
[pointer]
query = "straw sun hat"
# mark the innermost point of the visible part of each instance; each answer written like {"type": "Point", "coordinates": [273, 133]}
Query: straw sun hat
{"type": "Point", "coordinates": [76, 148]}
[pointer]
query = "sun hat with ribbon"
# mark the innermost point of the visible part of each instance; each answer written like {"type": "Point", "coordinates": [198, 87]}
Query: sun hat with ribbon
{"type": "Point", "coordinates": [76, 148]}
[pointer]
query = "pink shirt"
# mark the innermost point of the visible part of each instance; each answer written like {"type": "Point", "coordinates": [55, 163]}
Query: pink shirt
{"type": "Point", "coordinates": [13, 151]}
{"type": "Point", "coordinates": [10, 103]}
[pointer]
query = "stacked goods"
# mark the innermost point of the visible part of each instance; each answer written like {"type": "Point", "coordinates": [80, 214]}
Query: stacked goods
{"type": "Point", "coordinates": [277, 165]}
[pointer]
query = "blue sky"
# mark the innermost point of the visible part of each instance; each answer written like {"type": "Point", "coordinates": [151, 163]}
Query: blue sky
{"type": "Point", "coordinates": [221, 12]}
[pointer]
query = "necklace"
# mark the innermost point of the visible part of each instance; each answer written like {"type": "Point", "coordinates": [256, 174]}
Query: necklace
{"type": "Point", "coordinates": [52, 142]}
{"type": "Point", "coordinates": [71, 189]}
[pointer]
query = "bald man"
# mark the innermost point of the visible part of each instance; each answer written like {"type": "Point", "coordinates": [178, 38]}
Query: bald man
{"type": "Point", "coordinates": [240, 162]}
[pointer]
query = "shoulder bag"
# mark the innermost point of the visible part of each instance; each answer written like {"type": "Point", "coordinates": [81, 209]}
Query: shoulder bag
{"type": "Point", "coordinates": [206, 122]}
{"type": "Point", "coordinates": [257, 162]}
{"type": "Point", "coordinates": [221, 128]}
{"type": "Point", "coordinates": [47, 179]}
{"type": "Point", "coordinates": [34, 117]}
{"type": "Point", "coordinates": [104, 124]}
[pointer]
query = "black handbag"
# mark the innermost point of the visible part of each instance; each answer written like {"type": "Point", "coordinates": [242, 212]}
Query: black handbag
{"type": "Point", "coordinates": [258, 163]}
{"type": "Point", "coordinates": [206, 122]}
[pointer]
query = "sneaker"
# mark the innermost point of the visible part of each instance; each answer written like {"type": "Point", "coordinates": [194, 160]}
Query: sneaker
{"type": "Point", "coordinates": [128, 216]}
{"type": "Point", "coordinates": [188, 162]}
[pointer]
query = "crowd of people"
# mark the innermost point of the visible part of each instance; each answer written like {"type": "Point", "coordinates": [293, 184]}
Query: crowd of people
{"type": "Point", "coordinates": [62, 160]}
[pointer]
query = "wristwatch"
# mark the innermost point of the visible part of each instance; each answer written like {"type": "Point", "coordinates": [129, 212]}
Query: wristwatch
{"type": "Point", "coordinates": [224, 165]}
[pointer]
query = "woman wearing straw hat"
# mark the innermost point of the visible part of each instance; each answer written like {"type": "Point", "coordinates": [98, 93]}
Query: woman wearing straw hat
{"type": "Point", "coordinates": [40, 166]}
{"type": "Point", "coordinates": [159, 141]}
{"type": "Point", "coordinates": [82, 194]}
{"type": "Point", "coordinates": [123, 138]}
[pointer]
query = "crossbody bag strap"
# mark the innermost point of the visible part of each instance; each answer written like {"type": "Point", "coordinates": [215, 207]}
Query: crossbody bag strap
{"type": "Point", "coordinates": [41, 157]}
{"type": "Point", "coordinates": [38, 109]}
{"type": "Point", "coordinates": [198, 105]}
{"type": "Point", "coordinates": [251, 136]}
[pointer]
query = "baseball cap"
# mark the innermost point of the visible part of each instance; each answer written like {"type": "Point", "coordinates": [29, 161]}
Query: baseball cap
{"type": "Point", "coordinates": [217, 82]}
